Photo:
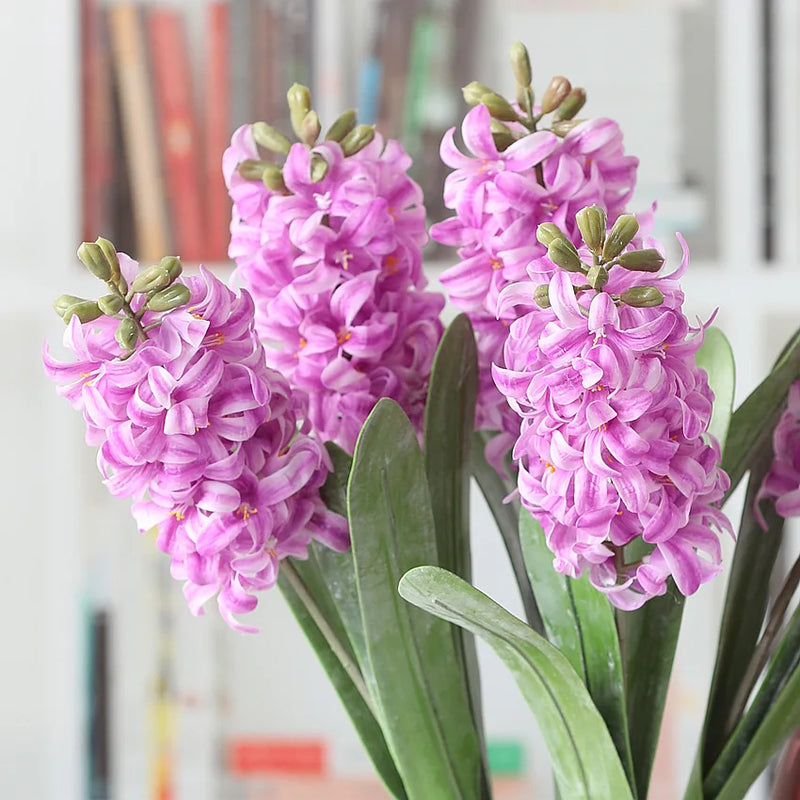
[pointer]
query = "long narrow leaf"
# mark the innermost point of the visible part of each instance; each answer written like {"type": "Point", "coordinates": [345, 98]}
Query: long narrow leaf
{"type": "Point", "coordinates": [420, 690]}
{"type": "Point", "coordinates": [580, 622]}
{"type": "Point", "coordinates": [753, 422]}
{"type": "Point", "coordinates": [648, 638]}
{"type": "Point", "coordinates": [449, 422]}
{"type": "Point", "coordinates": [506, 515]}
{"type": "Point", "coordinates": [585, 762]}
{"type": "Point", "coordinates": [746, 602]}
{"type": "Point", "coordinates": [773, 714]}
{"type": "Point", "coordinates": [367, 727]}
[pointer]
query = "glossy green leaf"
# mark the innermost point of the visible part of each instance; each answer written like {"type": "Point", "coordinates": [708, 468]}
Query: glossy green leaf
{"type": "Point", "coordinates": [746, 602]}
{"type": "Point", "coordinates": [580, 622]}
{"type": "Point", "coordinates": [773, 714]}
{"type": "Point", "coordinates": [334, 490]}
{"type": "Point", "coordinates": [753, 422]}
{"type": "Point", "coordinates": [362, 717]}
{"type": "Point", "coordinates": [715, 356]}
{"type": "Point", "coordinates": [584, 760]}
{"type": "Point", "coordinates": [495, 489]}
{"type": "Point", "coordinates": [648, 638]}
{"type": "Point", "coordinates": [420, 689]}
{"type": "Point", "coordinates": [449, 422]}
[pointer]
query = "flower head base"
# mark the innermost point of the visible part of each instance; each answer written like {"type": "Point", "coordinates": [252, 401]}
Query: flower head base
{"type": "Point", "coordinates": [333, 262]}
{"type": "Point", "coordinates": [203, 436]}
{"type": "Point", "coordinates": [613, 445]}
{"type": "Point", "coordinates": [500, 197]}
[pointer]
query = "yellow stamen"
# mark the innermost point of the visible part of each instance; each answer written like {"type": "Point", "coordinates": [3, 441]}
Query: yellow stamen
{"type": "Point", "coordinates": [179, 515]}
{"type": "Point", "coordinates": [343, 336]}
{"type": "Point", "coordinates": [245, 511]}
{"type": "Point", "coordinates": [347, 257]}
{"type": "Point", "coordinates": [216, 339]}
{"type": "Point", "coordinates": [496, 264]}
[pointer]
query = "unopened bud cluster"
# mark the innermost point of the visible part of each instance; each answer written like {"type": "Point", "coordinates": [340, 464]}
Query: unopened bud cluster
{"type": "Point", "coordinates": [157, 284]}
{"type": "Point", "coordinates": [607, 249]}
{"type": "Point", "coordinates": [559, 99]}
{"type": "Point", "coordinates": [306, 125]}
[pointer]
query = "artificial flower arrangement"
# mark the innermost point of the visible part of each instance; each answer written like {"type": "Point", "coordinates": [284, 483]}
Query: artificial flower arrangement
{"type": "Point", "coordinates": [318, 430]}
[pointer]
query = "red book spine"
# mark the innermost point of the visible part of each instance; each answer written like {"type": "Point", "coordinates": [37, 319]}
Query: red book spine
{"type": "Point", "coordinates": [96, 124]}
{"type": "Point", "coordinates": [178, 130]}
{"type": "Point", "coordinates": [217, 129]}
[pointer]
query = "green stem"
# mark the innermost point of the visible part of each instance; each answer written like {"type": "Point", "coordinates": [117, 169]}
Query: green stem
{"type": "Point", "coordinates": [348, 664]}
{"type": "Point", "coordinates": [128, 311]}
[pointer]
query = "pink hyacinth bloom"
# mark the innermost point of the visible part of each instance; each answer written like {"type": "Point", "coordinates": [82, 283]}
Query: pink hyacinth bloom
{"type": "Point", "coordinates": [203, 436]}
{"type": "Point", "coordinates": [335, 270]}
{"type": "Point", "coordinates": [613, 444]}
{"type": "Point", "coordinates": [498, 204]}
{"type": "Point", "coordinates": [782, 483]}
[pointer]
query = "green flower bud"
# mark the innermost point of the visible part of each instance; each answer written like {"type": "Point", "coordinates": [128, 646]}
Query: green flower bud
{"type": "Point", "coordinates": [473, 93]}
{"type": "Point", "coordinates": [167, 299]}
{"type": "Point", "coordinates": [555, 94]}
{"type": "Point", "coordinates": [63, 303]}
{"type": "Point", "coordinates": [270, 138]}
{"type": "Point", "coordinates": [564, 127]}
{"type": "Point", "coordinates": [173, 266]}
{"type": "Point", "coordinates": [642, 297]}
{"type": "Point", "coordinates": [299, 99]}
{"type": "Point", "coordinates": [110, 304]}
{"type": "Point", "coordinates": [91, 256]}
{"type": "Point", "coordinates": [620, 236]}
{"type": "Point", "coordinates": [319, 167]}
{"type": "Point", "coordinates": [272, 178]}
{"type": "Point", "coordinates": [525, 99]}
{"type": "Point", "coordinates": [110, 254]}
{"type": "Point", "coordinates": [592, 225]}
{"type": "Point", "coordinates": [310, 129]}
{"type": "Point", "coordinates": [151, 279]}
{"type": "Point", "coordinates": [520, 64]}
{"type": "Point", "coordinates": [571, 105]}
{"type": "Point", "coordinates": [597, 276]}
{"type": "Point", "coordinates": [358, 139]}
{"type": "Point", "coordinates": [126, 334]}
{"type": "Point", "coordinates": [649, 260]}
{"type": "Point", "coordinates": [85, 311]}
{"type": "Point", "coordinates": [252, 170]}
{"type": "Point", "coordinates": [499, 107]}
{"type": "Point", "coordinates": [502, 141]}
{"type": "Point", "coordinates": [342, 126]}
{"type": "Point", "coordinates": [563, 254]}
{"type": "Point", "coordinates": [541, 295]}
{"type": "Point", "coordinates": [548, 232]}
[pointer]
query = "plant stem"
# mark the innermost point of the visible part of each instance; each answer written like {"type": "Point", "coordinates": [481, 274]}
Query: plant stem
{"type": "Point", "coordinates": [765, 647]}
{"type": "Point", "coordinates": [128, 311]}
{"type": "Point", "coordinates": [348, 664]}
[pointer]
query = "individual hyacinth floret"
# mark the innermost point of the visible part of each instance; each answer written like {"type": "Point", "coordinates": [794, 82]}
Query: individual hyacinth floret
{"type": "Point", "coordinates": [614, 446]}
{"type": "Point", "coordinates": [329, 245]}
{"type": "Point", "coordinates": [515, 176]}
{"type": "Point", "coordinates": [196, 429]}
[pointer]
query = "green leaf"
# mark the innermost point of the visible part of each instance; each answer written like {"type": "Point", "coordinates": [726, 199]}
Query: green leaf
{"type": "Point", "coordinates": [773, 714]}
{"type": "Point", "coordinates": [746, 602]}
{"type": "Point", "coordinates": [495, 489]}
{"type": "Point", "coordinates": [648, 638]}
{"type": "Point", "coordinates": [362, 717]}
{"type": "Point", "coordinates": [585, 762]}
{"type": "Point", "coordinates": [334, 490]}
{"type": "Point", "coordinates": [753, 422]}
{"type": "Point", "coordinates": [715, 356]}
{"type": "Point", "coordinates": [420, 689]}
{"type": "Point", "coordinates": [449, 422]}
{"type": "Point", "coordinates": [580, 622]}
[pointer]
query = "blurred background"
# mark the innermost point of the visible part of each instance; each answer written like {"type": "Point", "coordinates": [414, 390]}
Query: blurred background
{"type": "Point", "coordinates": [115, 118]}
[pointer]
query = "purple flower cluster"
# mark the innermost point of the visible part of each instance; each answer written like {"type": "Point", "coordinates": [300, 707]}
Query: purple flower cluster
{"type": "Point", "coordinates": [782, 483]}
{"type": "Point", "coordinates": [334, 267]}
{"type": "Point", "coordinates": [613, 442]}
{"type": "Point", "coordinates": [499, 202]}
{"type": "Point", "coordinates": [204, 437]}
